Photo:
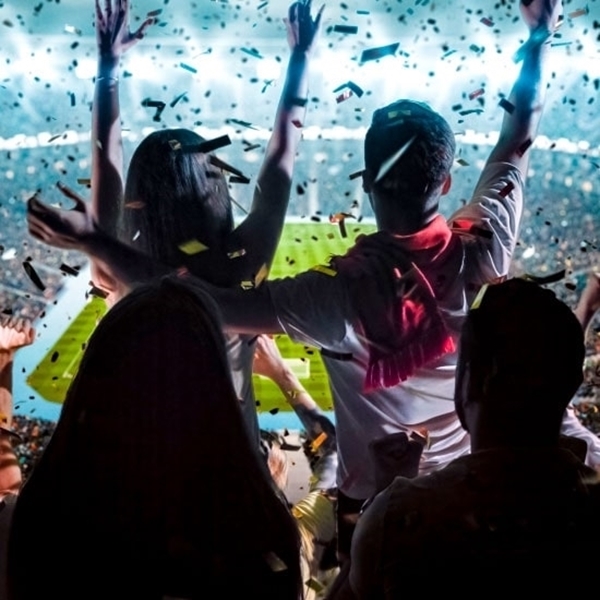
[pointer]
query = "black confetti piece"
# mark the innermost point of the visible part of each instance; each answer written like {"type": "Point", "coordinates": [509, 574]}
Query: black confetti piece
{"type": "Point", "coordinates": [381, 52]}
{"type": "Point", "coordinates": [35, 278]}
{"type": "Point", "coordinates": [345, 29]}
{"type": "Point", "coordinates": [208, 145]}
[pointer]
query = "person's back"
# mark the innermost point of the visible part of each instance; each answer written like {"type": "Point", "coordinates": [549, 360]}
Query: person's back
{"type": "Point", "coordinates": [523, 504]}
{"type": "Point", "coordinates": [150, 485]}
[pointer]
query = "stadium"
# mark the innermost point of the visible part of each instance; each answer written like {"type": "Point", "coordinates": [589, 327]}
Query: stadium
{"type": "Point", "coordinates": [216, 67]}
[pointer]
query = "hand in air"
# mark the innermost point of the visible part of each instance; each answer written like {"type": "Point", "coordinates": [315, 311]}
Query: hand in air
{"type": "Point", "coordinates": [15, 333]}
{"type": "Point", "coordinates": [267, 358]}
{"type": "Point", "coordinates": [112, 28]}
{"type": "Point", "coordinates": [302, 29]}
{"type": "Point", "coordinates": [58, 227]}
{"type": "Point", "coordinates": [541, 14]}
{"type": "Point", "coordinates": [591, 291]}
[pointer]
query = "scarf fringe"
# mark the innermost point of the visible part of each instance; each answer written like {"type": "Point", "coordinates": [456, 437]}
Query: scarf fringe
{"type": "Point", "coordinates": [392, 369]}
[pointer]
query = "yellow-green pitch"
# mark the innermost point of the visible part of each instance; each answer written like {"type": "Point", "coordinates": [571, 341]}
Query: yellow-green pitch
{"type": "Point", "coordinates": [302, 246]}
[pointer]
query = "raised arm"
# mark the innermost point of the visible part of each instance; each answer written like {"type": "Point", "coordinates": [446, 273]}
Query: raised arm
{"type": "Point", "coordinates": [113, 38]}
{"type": "Point", "coordinates": [259, 233]}
{"type": "Point", "coordinates": [14, 334]}
{"type": "Point", "coordinates": [589, 301]}
{"type": "Point", "coordinates": [116, 267]}
{"type": "Point", "coordinates": [523, 109]}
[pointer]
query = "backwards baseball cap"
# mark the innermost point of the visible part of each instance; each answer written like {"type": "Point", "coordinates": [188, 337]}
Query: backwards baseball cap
{"type": "Point", "coordinates": [409, 144]}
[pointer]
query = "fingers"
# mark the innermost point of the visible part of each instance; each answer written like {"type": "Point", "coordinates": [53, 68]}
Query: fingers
{"type": "Point", "coordinates": [141, 31]}
{"type": "Point", "coordinates": [72, 195]}
{"type": "Point", "coordinates": [319, 15]}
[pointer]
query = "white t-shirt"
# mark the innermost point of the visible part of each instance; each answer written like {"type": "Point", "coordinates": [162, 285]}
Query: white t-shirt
{"type": "Point", "coordinates": [240, 353]}
{"type": "Point", "coordinates": [314, 308]}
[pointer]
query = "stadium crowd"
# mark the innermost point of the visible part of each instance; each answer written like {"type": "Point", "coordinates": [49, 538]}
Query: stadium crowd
{"type": "Point", "coordinates": [460, 341]}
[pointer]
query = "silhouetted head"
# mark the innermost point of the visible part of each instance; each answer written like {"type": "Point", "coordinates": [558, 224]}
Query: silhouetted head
{"type": "Point", "coordinates": [150, 476]}
{"type": "Point", "coordinates": [422, 144]}
{"type": "Point", "coordinates": [173, 194]}
{"type": "Point", "coordinates": [520, 362]}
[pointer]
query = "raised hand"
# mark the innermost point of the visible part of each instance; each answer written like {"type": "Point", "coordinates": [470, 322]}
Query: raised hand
{"type": "Point", "coordinates": [112, 29]}
{"type": "Point", "coordinates": [15, 333]}
{"type": "Point", "coordinates": [541, 14]}
{"type": "Point", "coordinates": [268, 361]}
{"type": "Point", "coordinates": [302, 29]}
{"type": "Point", "coordinates": [591, 292]}
{"type": "Point", "coordinates": [57, 227]}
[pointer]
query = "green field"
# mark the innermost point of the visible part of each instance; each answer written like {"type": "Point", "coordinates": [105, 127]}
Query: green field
{"type": "Point", "coordinates": [302, 246]}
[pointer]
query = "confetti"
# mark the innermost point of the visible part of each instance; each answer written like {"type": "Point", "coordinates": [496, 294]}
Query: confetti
{"type": "Point", "coordinates": [262, 274]}
{"type": "Point", "coordinates": [192, 247]}
{"type": "Point", "coordinates": [352, 86]}
{"type": "Point", "coordinates": [302, 102]}
{"type": "Point", "coordinates": [462, 162]}
{"type": "Point", "coordinates": [318, 441]}
{"type": "Point", "coordinates": [54, 356]}
{"type": "Point", "coordinates": [154, 13]}
{"type": "Point", "coordinates": [377, 53]}
{"type": "Point", "coordinates": [32, 274]}
{"type": "Point", "coordinates": [260, 6]}
{"type": "Point", "coordinates": [509, 107]}
{"type": "Point", "coordinates": [508, 188]}
{"type": "Point", "coordinates": [314, 585]}
{"type": "Point", "coordinates": [239, 179]}
{"type": "Point", "coordinates": [345, 29]}
{"type": "Point", "coordinates": [252, 52]}
{"type": "Point", "coordinates": [325, 270]}
{"type": "Point", "coordinates": [487, 22]}
{"type": "Point", "coordinates": [297, 123]}
{"type": "Point", "coordinates": [84, 181]}
{"type": "Point", "coordinates": [356, 174]}
{"type": "Point", "coordinates": [524, 147]}
{"type": "Point", "coordinates": [236, 253]}
{"type": "Point", "coordinates": [579, 13]}
{"type": "Point", "coordinates": [344, 96]}
{"type": "Point", "coordinates": [188, 68]}
{"type": "Point", "coordinates": [242, 123]}
{"type": "Point", "coordinates": [208, 145]}
{"type": "Point", "coordinates": [159, 105]}
{"type": "Point", "coordinates": [97, 292]}
{"type": "Point", "coordinates": [69, 270]}
{"type": "Point", "coordinates": [476, 94]}
{"type": "Point", "coordinates": [251, 147]}
{"type": "Point", "coordinates": [71, 29]}
{"type": "Point", "coordinates": [220, 164]}
{"type": "Point", "coordinates": [177, 99]}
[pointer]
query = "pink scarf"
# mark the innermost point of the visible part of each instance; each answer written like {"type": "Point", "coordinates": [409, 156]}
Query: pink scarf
{"type": "Point", "coordinates": [394, 281]}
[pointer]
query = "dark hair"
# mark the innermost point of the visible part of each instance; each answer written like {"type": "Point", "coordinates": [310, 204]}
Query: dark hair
{"type": "Point", "coordinates": [174, 195]}
{"type": "Point", "coordinates": [150, 483]}
{"type": "Point", "coordinates": [522, 341]}
{"type": "Point", "coordinates": [428, 157]}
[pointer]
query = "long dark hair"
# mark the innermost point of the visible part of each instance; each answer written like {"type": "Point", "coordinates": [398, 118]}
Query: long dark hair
{"type": "Point", "coordinates": [173, 195]}
{"type": "Point", "coordinates": [150, 484]}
